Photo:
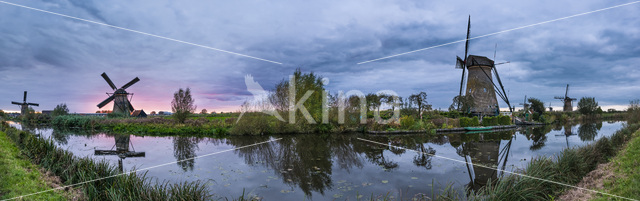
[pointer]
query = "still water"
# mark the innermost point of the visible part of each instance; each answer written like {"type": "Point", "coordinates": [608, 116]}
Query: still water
{"type": "Point", "coordinates": [336, 166]}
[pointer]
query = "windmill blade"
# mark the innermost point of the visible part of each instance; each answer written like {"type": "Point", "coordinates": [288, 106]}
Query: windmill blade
{"type": "Point", "coordinates": [15, 103]}
{"type": "Point", "coordinates": [466, 46]}
{"type": "Point", "coordinates": [130, 83]}
{"type": "Point", "coordinates": [558, 97]}
{"type": "Point", "coordinates": [130, 106]}
{"type": "Point", "coordinates": [566, 93]}
{"type": "Point", "coordinates": [25, 97]}
{"type": "Point", "coordinates": [106, 78]}
{"type": "Point", "coordinates": [106, 101]}
{"type": "Point", "coordinates": [34, 104]}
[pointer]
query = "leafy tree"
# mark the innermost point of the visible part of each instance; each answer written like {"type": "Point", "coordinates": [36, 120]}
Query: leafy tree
{"type": "Point", "coordinates": [204, 111]}
{"type": "Point", "coordinates": [303, 83]}
{"type": "Point", "coordinates": [60, 109]}
{"type": "Point", "coordinates": [153, 113]}
{"type": "Point", "coordinates": [536, 105]}
{"type": "Point", "coordinates": [420, 101]}
{"type": "Point", "coordinates": [373, 101]}
{"type": "Point", "coordinates": [633, 111]}
{"type": "Point", "coordinates": [2, 114]}
{"type": "Point", "coordinates": [587, 105]}
{"type": "Point", "coordinates": [464, 103]}
{"type": "Point", "coordinates": [182, 104]}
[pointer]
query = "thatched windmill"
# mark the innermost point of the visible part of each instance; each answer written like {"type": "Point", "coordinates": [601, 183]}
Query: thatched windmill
{"type": "Point", "coordinates": [24, 106]}
{"type": "Point", "coordinates": [568, 106]}
{"type": "Point", "coordinates": [480, 84]}
{"type": "Point", "coordinates": [120, 98]}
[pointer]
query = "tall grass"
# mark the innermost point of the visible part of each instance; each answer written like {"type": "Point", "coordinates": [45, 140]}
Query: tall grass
{"type": "Point", "coordinates": [568, 167]}
{"type": "Point", "coordinates": [73, 170]}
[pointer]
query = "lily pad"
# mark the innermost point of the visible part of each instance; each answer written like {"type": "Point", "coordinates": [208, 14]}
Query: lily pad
{"type": "Point", "coordinates": [414, 177]}
{"type": "Point", "coordinates": [385, 181]}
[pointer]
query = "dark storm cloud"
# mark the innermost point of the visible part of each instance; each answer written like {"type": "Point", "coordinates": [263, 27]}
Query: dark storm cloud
{"type": "Point", "coordinates": [596, 53]}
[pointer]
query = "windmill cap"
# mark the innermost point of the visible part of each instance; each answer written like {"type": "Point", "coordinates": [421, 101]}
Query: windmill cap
{"type": "Point", "coordinates": [474, 60]}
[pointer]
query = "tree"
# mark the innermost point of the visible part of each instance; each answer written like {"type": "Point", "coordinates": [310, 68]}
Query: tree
{"type": "Point", "coordinates": [303, 83]}
{"type": "Point", "coordinates": [2, 114]}
{"type": "Point", "coordinates": [60, 109]}
{"type": "Point", "coordinates": [587, 105]}
{"type": "Point", "coordinates": [153, 113]}
{"type": "Point", "coordinates": [420, 101]}
{"type": "Point", "coordinates": [373, 101]}
{"type": "Point", "coordinates": [204, 111]}
{"type": "Point", "coordinates": [536, 105]}
{"type": "Point", "coordinates": [182, 104]}
{"type": "Point", "coordinates": [463, 103]}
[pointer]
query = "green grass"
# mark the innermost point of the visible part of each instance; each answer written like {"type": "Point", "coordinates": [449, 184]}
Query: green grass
{"type": "Point", "coordinates": [20, 177]}
{"type": "Point", "coordinates": [627, 171]}
{"type": "Point", "coordinates": [106, 183]}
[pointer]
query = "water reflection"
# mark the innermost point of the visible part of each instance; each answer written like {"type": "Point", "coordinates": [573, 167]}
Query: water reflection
{"type": "Point", "coordinates": [323, 165]}
{"type": "Point", "coordinates": [184, 150]}
{"type": "Point", "coordinates": [122, 145]}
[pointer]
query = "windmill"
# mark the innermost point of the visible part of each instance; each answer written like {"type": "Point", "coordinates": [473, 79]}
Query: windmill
{"type": "Point", "coordinates": [121, 102]}
{"type": "Point", "coordinates": [550, 108]}
{"type": "Point", "coordinates": [480, 84]}
{"type": "Point", "coordinates": [524, 104]}
{"type": "Point", "coordinates": [122, 150]}
{"type": "Point", "coordinates": [24, 106]}
{"type": "Point", "coordinates": [568, 106]}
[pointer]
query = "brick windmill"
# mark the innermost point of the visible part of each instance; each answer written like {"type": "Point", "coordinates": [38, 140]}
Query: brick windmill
{"type": "Point", "coordinates": [24, 106]}
{"type": "Point", "coordinates": [568, 106]}
{"type": "Point", "coordinates": [120, 97]}
{"type": "Point", "coordinates": [480, 84]}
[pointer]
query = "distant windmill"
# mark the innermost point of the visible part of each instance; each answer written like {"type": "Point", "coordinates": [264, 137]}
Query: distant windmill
{"type": "Point", "coordinates": [550, 108]}
{"type": "Point", "coordinates": [568, 106]}
{"type": "Point", "coordinates": [24, 106]}
{"type": "Point", "coordinates": [480, 84]}
{"type": "Point", "coordinates": [122, 103]}
{"type": "Point", "coordinates": [525, 104]}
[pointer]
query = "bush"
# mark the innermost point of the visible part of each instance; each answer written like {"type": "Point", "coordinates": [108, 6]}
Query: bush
{"type": "Point", "coordinates": [504, 120]}
{"type": "Point", "coordinates": [407, 122]}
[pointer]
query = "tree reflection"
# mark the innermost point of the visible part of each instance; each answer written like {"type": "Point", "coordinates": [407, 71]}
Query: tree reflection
{"type": "Point", "coordinates": [184, 150]}
{"type": "Point", "coordinates": [588, 131]}
{"type": "Point", "coordinates": [304, 160]}
{"type": "Point", "coordinates": [423, 159]}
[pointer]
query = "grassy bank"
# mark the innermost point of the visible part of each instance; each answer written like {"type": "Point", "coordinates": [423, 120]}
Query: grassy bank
{"type": "Point", "coordinates": [73, 170]}
{"type": "Point", "coordinates": [627, 171]}
{"type": "Point", "coordinates": [155, 126]}
{"type": "Point", "coordinates": [567, 167]}
{"type": "Point", "coordinates": [20, 177]}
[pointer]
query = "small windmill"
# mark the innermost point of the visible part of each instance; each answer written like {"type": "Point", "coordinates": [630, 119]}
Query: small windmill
{"type": "Point", "coordinates": [550, 108]}
{"type": "Point", "coordinates": [24, 106]}
{"type": "Point", "coordinates": [525, 104]}
{"type": "Point", "coordinates": [480, 84]}
{"type": "Point", "coordinates": [568, 106]}
{"type": "Point", "coordinates": [120, 98]}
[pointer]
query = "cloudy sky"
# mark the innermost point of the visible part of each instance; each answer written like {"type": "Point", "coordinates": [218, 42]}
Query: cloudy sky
{"type": "Point", "coordinates": [59, 59]}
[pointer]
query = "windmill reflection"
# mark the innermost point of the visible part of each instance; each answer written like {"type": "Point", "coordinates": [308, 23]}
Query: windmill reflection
{"type": "Point", "coordinates": [483, 158]}
{"type": "Point", "coordinates": [122, 150]}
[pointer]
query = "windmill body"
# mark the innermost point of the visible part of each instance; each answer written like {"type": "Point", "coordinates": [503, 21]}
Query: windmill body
{"type": "Point", "coordinates": [568, 102]}
{"type": "Point", "coordinates": [120, 97]}
{"type": "Point", "coordinates": [480, 82]}
{"type": "Point", "coordinates": [24, 106]}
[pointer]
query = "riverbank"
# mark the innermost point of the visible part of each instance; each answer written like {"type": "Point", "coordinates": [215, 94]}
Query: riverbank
{"type": "Point", "coordinates": [625, 179]}
{"type": "Point", "coordinates": [20, 177]}
{"type": "Point", "coordinates": [107, 183]}
{"type": "Point", "coordinates": [569, 167]}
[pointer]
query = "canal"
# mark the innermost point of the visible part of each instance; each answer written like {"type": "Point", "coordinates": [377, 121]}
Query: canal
{"type": "Point", "coordinates": [340, 166]}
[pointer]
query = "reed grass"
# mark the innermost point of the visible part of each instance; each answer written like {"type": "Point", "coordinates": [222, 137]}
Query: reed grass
{"type": "Point", "coordinates": [73, 170]}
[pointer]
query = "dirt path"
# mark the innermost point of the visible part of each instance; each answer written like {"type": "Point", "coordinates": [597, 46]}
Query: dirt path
{"type": "Point", "coordinates": [594, 180]}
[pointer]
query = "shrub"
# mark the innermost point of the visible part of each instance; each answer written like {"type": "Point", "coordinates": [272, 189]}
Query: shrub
{"type": "Point", "coordinates": [407, 122]}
